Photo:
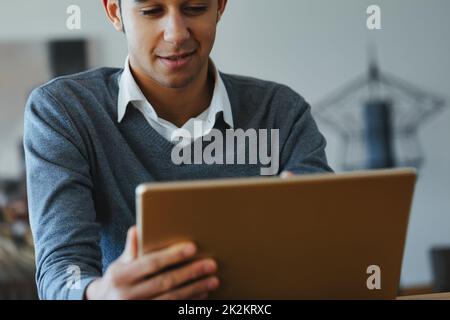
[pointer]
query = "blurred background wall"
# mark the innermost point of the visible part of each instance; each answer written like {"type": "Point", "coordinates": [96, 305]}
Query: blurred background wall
{"type": "Point", "coordinates": [314, 46]}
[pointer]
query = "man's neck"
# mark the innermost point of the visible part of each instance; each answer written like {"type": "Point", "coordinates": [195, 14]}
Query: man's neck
{"type": "Point", "coordinates": [178, 106]}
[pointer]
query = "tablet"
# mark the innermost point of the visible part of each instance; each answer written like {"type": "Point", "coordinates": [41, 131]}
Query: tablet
{"type": "Point", "coordinates": [332, 236]}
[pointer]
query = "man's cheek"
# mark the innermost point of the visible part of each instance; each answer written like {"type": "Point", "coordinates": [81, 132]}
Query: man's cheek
{"type": "Point", "coordinates": [208, 39]}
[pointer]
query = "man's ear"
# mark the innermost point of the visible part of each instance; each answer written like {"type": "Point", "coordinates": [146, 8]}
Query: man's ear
{"type": "Point", "coordinates": [222, 4]}
{"type": "Point", "coordinates": [114, 14]}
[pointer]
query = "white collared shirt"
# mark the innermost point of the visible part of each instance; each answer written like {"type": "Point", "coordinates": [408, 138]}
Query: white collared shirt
{"type": "Point", "coordinates": [129, 92]}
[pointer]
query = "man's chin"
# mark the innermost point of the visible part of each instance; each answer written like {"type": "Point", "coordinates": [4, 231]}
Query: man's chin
{"type": "Point", "coordinates": [175, 82]}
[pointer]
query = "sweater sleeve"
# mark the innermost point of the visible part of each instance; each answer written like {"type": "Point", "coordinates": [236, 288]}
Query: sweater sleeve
{"type": "Point", "coordinates": [304, 148]}
{"type": "Point", "coordinates": [62, 212]}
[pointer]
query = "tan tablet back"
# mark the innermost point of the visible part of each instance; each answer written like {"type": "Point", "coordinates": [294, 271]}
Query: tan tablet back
{"type": "Point", "coordinates": [309, 237]}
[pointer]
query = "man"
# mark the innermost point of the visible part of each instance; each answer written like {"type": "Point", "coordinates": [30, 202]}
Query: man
{"type": "Point", "coordinates": [91, 138]}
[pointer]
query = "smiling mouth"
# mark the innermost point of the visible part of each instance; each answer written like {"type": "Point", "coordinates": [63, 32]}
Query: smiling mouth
{"type": "Point", "coordinates": [178, 61]}
{"type": "Point", "coordinates": [178, 57]}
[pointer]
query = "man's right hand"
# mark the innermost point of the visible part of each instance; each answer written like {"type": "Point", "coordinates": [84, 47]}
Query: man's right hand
{"type": "Point", "coordinates": [133, 278]}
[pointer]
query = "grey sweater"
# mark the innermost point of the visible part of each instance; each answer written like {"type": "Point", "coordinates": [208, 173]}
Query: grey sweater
{"type": "Point", "coordinates": [83, 166]}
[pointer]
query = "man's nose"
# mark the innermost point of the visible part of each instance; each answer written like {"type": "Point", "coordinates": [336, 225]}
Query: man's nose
{"type": "Point", "coordinates": [176, 30]}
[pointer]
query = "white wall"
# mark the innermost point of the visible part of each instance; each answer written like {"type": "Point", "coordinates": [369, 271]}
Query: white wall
{"type": "Point", "coordinates": [314, 46]}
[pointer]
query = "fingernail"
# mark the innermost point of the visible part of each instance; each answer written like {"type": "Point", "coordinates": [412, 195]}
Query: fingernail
{"type": "Point", "coordinates": [210, 266]}
{"type": "Point", "coordinates": [189, 249]}
{"type": "Point", "coordinates": [213, 284]}
{"type": "Point", "coordinates": [286, 175]}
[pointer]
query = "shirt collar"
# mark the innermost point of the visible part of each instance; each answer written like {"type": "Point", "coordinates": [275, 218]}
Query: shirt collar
{"type": "Point", "coordinates": [129, 92]}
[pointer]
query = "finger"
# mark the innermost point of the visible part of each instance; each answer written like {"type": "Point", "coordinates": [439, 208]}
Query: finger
{"type": "Point", "coordinates": [192, 290]}
{"type": "Point", "coordinates": [157, 261]}
{"type": "Point", "coordinates": [131, 245]}
{"type": "Point", "coordinates": [203, 296]}
{"type": "Point", "coordinates": [168, 281]}
{"type": "Point", "coordinates": [287, 175]}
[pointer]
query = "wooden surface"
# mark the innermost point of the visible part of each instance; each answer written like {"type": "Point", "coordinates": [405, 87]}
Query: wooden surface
{"type": "Point", "coordinates": [435, 296]}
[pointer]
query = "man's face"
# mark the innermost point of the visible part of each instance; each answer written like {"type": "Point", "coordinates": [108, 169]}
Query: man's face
{"type": "Point", "coordinates": [170, 41]}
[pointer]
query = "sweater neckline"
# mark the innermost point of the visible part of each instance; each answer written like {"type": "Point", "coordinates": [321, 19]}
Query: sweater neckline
{"type": "Point", "coordinates": [134, 121]}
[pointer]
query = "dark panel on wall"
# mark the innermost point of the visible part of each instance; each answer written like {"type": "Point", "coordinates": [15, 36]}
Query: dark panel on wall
{"type": "Point", "coordinates": [67, 57]}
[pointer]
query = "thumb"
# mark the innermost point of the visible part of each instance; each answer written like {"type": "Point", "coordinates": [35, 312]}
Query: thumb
{"type": "Point", "coordinates": [131, 246]}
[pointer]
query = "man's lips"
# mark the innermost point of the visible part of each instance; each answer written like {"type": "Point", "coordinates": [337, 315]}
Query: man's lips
{"type": "Point", "coordinates": [175, 61]}
{"type": "Point", "coordinates": [177, 56]}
